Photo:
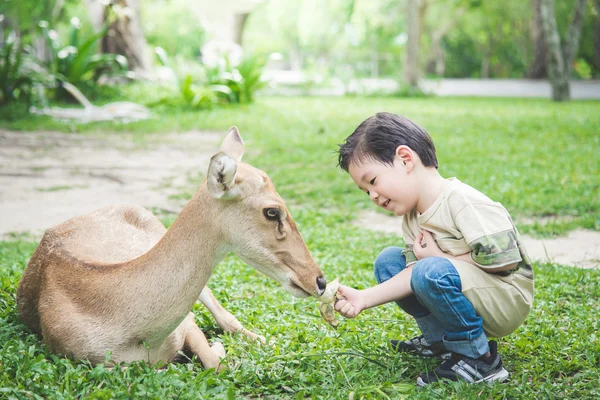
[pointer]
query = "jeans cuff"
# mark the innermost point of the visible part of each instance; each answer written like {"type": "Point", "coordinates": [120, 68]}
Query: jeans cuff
{"type": "Point", "coordinates": [471, 348]}
{"type": "Point", "coordinates": [431, 328]}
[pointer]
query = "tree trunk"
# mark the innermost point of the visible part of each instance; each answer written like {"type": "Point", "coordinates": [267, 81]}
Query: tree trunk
{"type": "Point", "coordinates": [560, 61]}
{"type": "Point", "coordinates": [571, 44]}
{"type": "Point", "coordinates": [556, 66]}
{"type": "Point", "coordinates": [537, 69]}
{"type": "Point", "coordinates": [125, 35]}
{"type": "Point", "coordinates": [411, 59]}
{"type": "Point", "coordinates": [238, 27]}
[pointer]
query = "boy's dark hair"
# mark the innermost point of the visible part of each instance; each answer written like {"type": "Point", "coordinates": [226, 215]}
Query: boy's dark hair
{"type": "Point", "coordinates": [378, 137]}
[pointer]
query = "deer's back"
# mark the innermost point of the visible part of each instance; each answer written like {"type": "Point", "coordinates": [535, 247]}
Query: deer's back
{"type": "Point", "coordinates": [113, 234]}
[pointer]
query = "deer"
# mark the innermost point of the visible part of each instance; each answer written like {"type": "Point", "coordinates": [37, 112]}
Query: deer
{"type": "Point", "coordinates": [116, 280]}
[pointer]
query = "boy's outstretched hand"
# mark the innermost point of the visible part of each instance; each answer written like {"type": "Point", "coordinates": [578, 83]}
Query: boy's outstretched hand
{"type": "Point", "coordinates": [352, 302]}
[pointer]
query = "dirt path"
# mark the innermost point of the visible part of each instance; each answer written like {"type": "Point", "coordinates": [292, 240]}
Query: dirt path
{"type": "Point", "coordinates": [46, 178]}
{"type": "Point", "coordinates": [580, 248]}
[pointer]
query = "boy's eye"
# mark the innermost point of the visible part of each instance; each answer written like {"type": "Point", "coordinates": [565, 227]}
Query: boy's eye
{"type": "Point", "coordinates": [372, 181]}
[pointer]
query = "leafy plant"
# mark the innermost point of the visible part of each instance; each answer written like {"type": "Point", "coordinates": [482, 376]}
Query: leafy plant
{"type": "Point", "coordinates": [12, 82]}
{"type": "Point", "coordinates": [221, 83]}
{"type": "Point", "coordinates": [78, 62]}
{"type": "Point", "coordinates": [250, 71]}
{"type": "Point", "coordinates": [203, 96]}
{"type": "Point", "coordinates": [244, 80]}
{"type": "Point", "coordinates": [18, 70]}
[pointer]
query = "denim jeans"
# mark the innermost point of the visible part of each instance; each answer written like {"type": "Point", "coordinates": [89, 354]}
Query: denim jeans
{"type": "Point", "coordinates": [442, 312]}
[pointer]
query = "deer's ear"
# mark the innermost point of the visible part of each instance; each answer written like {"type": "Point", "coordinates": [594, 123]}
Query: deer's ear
{"type": "Point", "coordinates": [233, 144]}
{"type": "Point", "coordinates": [221, 176]}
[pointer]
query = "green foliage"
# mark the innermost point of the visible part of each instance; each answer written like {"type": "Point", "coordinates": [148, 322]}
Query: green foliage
{"type": "Point", "coordinates": [203, 96]}
{"type": "Point", "coordinates": [224, 83]}
{"type": "Point", "coordinates": [244, 80]}
{"type": "Point", "coordinates": [583, 69]}
{"type": "Point", "coordinates": [368, 37]}
{"type": "Point", "coordinates": [78, 62]}
{"type": "Point", "coordinates": [15, 82]}
{"type": "Point", "coordinates": [26, 14]}
{"type": "Point", "coordinates": [19, 70]}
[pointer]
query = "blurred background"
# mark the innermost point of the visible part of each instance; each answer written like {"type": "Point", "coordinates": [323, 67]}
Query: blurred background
{"type": "Point", "coordinates": [205, 53]}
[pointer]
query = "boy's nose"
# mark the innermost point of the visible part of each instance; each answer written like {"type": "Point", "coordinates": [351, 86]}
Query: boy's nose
{"type": "Point", "coordinates": [374, 195]}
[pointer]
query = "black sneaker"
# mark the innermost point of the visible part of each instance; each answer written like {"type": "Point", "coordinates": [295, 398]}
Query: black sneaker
{"type": "Point", "coordinates": [473, 370]}
{"type": "Point", "coordinates": [420, 346]}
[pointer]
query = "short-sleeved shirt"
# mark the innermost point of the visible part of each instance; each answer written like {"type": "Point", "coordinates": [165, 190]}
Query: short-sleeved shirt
{"type": "Point", "coordinates": [464, 220]}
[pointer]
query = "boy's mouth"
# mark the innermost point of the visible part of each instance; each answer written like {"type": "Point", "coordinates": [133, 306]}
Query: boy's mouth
{"type": "Point", "coordinates": [386, 204]}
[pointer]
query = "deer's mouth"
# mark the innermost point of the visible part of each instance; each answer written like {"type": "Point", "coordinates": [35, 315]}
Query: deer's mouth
{"type": "Point", "coordinates": [297, 290]}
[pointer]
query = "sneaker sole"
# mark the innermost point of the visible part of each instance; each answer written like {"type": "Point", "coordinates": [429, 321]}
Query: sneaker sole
{"type": "Point", "coordinates": [441, 356]}
{"type": "Point", "coordinates": [499, 376]}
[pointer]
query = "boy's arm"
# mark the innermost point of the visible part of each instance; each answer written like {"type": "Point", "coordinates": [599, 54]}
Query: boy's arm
{"type": "Point", "coordinates": [354, 301]}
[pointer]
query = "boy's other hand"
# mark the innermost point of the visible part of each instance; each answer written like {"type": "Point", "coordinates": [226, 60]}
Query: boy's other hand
{"type": "Point", "coordinates": [352, 302]}
{"type": "Point", "coordinates": [426, 246]}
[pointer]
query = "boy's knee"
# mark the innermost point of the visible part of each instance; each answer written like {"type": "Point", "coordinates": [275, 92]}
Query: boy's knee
{"type": "Point", "coordinates": [428, 272]}
{"type": "Point", "coordinates": [389, 263]}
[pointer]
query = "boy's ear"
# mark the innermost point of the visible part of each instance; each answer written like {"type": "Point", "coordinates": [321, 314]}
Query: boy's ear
{"type": "Point", "coordinates": [405, 155]}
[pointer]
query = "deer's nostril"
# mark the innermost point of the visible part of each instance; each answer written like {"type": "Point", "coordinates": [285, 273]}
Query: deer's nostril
{"type": "Point", "coordinates": [321, 283]}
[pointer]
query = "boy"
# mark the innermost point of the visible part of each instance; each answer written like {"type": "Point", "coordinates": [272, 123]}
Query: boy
{"type": "Point", "coordinates": [463, 275]}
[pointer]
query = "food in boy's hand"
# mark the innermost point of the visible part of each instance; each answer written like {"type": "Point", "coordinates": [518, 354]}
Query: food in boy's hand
{"type": "Point", "coordinates": [327, 301]}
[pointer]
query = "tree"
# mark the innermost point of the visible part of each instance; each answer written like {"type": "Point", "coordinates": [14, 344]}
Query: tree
{"type": "Point", "coordinates": [537, 69]}
{"type": "Point", "coordinates": [413, 32]}
{"type": "Point", "coordinates": [560, 60]}
{"type": "Point", "coordinates": [125, 35]}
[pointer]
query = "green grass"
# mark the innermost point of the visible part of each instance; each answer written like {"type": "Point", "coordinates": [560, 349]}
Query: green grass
{"type": "Point", "coordinates": [538, 158]}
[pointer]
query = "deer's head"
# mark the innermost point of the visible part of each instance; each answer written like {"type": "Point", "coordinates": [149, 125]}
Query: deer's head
{"type": "Point", "coordinates": [256, 223]}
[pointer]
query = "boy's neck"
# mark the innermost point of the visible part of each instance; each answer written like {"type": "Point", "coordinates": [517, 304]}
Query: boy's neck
{"type": "Point", "coordinates": [431, 187]}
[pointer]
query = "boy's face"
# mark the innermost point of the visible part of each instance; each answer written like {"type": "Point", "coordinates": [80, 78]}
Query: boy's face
{"type": "Point", "coordinates": [389, 186]}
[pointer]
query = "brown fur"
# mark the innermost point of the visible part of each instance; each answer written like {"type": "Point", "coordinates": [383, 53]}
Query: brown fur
{"type": "Point", "coordinates": [116, 280]}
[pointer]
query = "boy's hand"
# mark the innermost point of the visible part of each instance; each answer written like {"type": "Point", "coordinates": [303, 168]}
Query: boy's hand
{"type": "Point", "coordinates": [426, 246]}
{"type": "Point", "coordinates": [352, 302]}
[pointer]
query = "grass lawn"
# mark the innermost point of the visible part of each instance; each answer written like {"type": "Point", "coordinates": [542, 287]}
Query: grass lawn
{"type": "Point", "coordinates": [538, 158]}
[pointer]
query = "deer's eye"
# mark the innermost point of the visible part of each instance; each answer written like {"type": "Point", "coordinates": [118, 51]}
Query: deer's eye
{"type": "Point", "coordinates": [272, 214]}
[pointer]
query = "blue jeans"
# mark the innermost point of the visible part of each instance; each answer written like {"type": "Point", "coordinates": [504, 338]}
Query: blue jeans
{"type": "Point", "coordinates": [442, 312]}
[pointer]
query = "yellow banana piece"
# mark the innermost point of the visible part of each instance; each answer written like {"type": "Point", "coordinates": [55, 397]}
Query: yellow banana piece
{"type": "Point", "coordinates": [327, 301]}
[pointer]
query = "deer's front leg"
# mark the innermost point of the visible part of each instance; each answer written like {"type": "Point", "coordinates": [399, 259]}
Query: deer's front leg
{"type": "Point", "coordinates": [226, 320]}
{"type": "Point", "coordinates": [195, 342]}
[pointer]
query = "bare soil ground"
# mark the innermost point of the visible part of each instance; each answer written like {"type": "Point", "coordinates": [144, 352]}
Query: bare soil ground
{"type": "Point", "coordinates": [580, 248]}
{"type": "Point", "coordinates": [47, 178]}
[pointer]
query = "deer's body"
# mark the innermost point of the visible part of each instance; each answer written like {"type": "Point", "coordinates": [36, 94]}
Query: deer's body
{"type": "Point", "coordinates": [116, 280]}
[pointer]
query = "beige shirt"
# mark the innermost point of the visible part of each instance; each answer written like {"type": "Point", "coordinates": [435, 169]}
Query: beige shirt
{"type": "Point", "coordinates": [464, 220]}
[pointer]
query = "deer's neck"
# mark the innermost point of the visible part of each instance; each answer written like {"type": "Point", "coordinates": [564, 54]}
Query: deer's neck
{"type": "Point", "coordinates": [176, 269]}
